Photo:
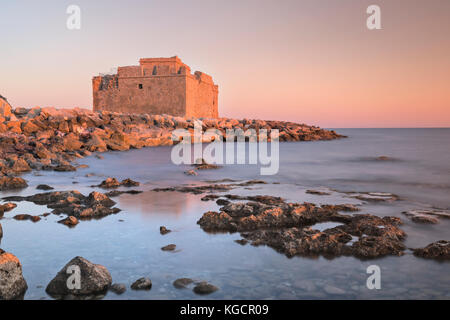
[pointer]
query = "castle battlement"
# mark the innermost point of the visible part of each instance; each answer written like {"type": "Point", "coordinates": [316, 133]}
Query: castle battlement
{"type": "Point", "coordinates": [157, 86]}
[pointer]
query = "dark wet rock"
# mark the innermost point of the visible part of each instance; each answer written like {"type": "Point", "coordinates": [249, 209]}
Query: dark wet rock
{"type": "Point", "coordinates": [222, 202]}
{"type": "Point", "coordinates": [70, 221]}
{"type": "Point", "coordinates": [65, 168]}
{"type": "Point", "coordinates": [170, 247]}
{"type": "Point", "coordinates": [44, 187]}
{"type": "Point", "coordinates": [95, 279]}
{"type": "Point", "coordinates": [12, 283]}
{"type": "Point", "coordinates": [427, 215]}
{"type": "Point", "coordinates": [424, 219]}
{"type": "Point", "coordinates": [289, 229]}
{"type": "Point", "coordinates": [197, 189]}
{"type": "Point", "coordinates": [191, 173]}
{"type": "Point", "coordinates": [182, 283]}
{"type": "Point", "coordinates": [116, 193]}
{"type": "Point", "coordinates": [22, 217]}
{"type": "Point", "coordinates": [242, 242]}
{"type": "Point", "coordinates": [373, 196]}
{"type": "Point", "coordinates": [142, 284]}
{"type": "Point", "coordinates": [439, 250]}
{"type": "Point", "coordinates": [204, 288]}
{"type": "Point", "coordinates": [318, 193]}
{"type": "Point", "coordinates": [341, 207]}
{"type": "Point", "coordinates": [12, 183]}
{"type": "Point", "coordinates": [222, 180]}
{"type": "Point", "coordinates": [73, 203]}
{"type": "Point", "coordinates": [129, 183]}
{"type": "Point", "coordinates": [7, 207]}
{"type": "Point", "coordinates": [210, 188]}
{"type": "Point", "coordinates": [118, 288]}
{"type": "Point", "coordinates": [111, 183]}
{"type": "Point", "coordinates": [262, 199]}
{"type": "Point", "coordinates": [163, 230]}
{"type": "Point", "coordinates": [203, 165]}
{"type": "Point", "coordinates": [209, 197]}
{"type": "Point", "coordinates": [97, 198]}
{"type": "Point", "coordinates": [372, 247]}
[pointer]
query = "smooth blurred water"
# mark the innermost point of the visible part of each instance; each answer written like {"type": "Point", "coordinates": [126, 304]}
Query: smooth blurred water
{"type": "Point", "coordinates": [419, 172]}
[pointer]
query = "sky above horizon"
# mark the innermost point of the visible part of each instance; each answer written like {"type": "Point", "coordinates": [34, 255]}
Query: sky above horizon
{"type": "Point", "coordinates": [309, 61]}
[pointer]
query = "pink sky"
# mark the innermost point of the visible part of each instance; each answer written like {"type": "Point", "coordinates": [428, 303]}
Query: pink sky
{"type": "Point", "coordinates": [307, 61]}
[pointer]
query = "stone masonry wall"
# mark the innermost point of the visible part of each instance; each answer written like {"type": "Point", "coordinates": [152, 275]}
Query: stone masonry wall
{"type": "Point", "coordinates": [157, 86]}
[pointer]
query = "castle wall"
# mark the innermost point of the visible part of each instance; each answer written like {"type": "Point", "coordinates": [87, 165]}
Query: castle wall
{"type": "Point", "coordinates": [157, 86]}
{"type": "Point", "coordinates": [202, 96]}
{"type": "Point", "coordinates": [159, 95]}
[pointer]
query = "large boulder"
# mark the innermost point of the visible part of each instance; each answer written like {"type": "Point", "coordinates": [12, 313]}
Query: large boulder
{"type": "Point", "coordinates": [12, 284]}
{"type": "Point", "coordinates": [94, 279]}
{"type": "Point", "coordinates": [11, 183]}
{"type": "Point", "coordinates": [5, 108]}
{"type": "Point", "coordinates": [96, 143]}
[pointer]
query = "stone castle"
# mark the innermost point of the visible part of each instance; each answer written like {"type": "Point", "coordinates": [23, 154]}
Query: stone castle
{"type": "Point", "coordinates": [157, 86]}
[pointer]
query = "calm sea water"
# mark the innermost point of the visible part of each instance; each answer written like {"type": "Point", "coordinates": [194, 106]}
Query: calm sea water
{"type": "Point", "coordinates": [419, 173]}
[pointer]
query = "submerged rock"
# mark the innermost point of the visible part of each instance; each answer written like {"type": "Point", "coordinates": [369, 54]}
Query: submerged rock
{"type": "Point", "coordinates": [118, 288]}
{"type": "Point", "coordinates": [12, 284]}
{"type": "Point", "coordinates": [116, 193]}
{"type": "Point", "coordinates": [204, 288]}
{"type": "Point", "coordinates": [203, 165]}
{"type": "Point", "coordinates": [318, 193]}
{"type": "Point", "coordinates": [94, 279]}
{"type": "Point", "coordinates": [70, 221]}
{"type": "Point", "coordinates": [44, 187]}
{"type": "Point", "coordinates": [129, 183]}
{"type": "Point", "coordinates": [163, 230]}
{"type": "Point", "coordinates": [439, 250]}
{"type": "Point", "coordinates": [191, 173]}
{"type": "Point", "coordinates": [211, 188]}
{"type": "Point", "coordinates": [142, 284]}
{"type": "Point", "coordinates": [170, 247]}
{"type": "Point", "coordinates": [22, 217]}
{"type": "Point", "coordinates": [373, 196]}
{"type": "Point", "coordinates": [182, 283]}
{"type": "Point", "coordinates": [427, 215]}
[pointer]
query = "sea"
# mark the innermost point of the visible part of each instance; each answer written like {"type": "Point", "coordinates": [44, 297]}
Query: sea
{"type": "Point", "coordinates": [128, 244]}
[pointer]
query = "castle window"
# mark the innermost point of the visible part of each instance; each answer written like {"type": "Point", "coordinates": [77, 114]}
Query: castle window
{"type": "Point", "coordinates": [140, 86]}
{"type": "Point", "coordinates": [154, 71]}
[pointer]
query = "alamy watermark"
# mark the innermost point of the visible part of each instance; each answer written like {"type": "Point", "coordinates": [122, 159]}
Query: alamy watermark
{"type": "Point", "coordinates": [374, 280]}
{"type": "Point", "coordinates": [235, 140]}
{"type": "Point", "coordinates": [374, 20]}
{"type": "Point", "coordinates": [74, 20]}
{"type": "Point", "coordinates": [74, 280]}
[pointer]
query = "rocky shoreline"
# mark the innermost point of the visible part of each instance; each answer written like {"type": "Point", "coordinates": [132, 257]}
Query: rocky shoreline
{"type": "Point", "coordinates": [50, 139]}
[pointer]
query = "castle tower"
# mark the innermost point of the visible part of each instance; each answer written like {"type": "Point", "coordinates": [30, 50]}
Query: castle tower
{"type": "Point", "coordinates": [157, 86]}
